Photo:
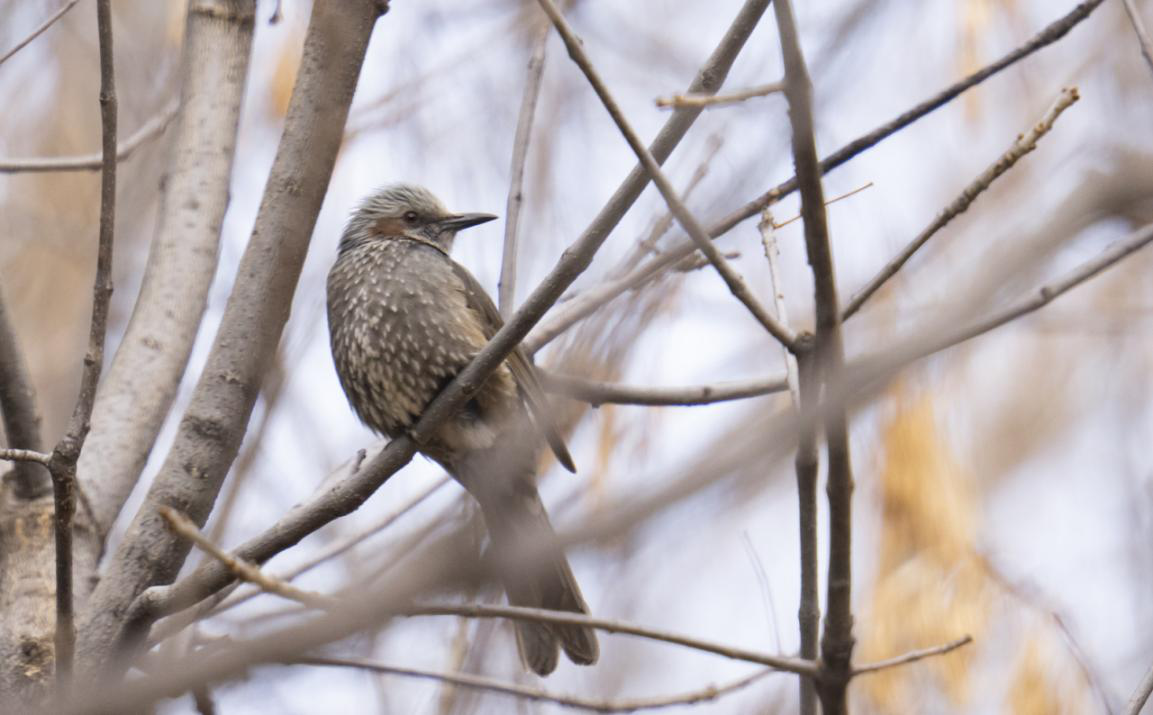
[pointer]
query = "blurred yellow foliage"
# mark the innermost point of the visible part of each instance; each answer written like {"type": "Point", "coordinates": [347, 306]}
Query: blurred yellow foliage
{"type": "Point", "coordinates": [929, 589]}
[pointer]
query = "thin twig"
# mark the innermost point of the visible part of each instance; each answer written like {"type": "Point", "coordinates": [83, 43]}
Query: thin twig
{"type": "Point", "coordinates": [39, 30]}
{"type": "Point", "coordinates": [1140, 695]}
{"type": "Point", "coordinates": [598, 393]}
{"type": "Point", "coordinates": [799, 666]}
{"type": "Point", "coordinates": [24, 455]}
{"type": "Point", "coordinates": [707, 100]}
{"type": "Point", "coordinates": [91, 162]}
{"type": "Point", "coordinates": [684, 217]}
{"type": "Point", "coordinates": [1024, 144]}
{"type": "Point", "coordinates": [1142, 34]}
{"type": "Point", "coordinates": [1044, 295]}
{"type": "Point", "coordinates": [837, 641]}
{"type": "Point", "coordinates": [506, 286]}
{"type": "Point", "coordinates": [522, 692]}
{"type": "Point", "coordinates": [805, 464]}
{"type": "Point", "coordinates": [244, 570]}
{"type": "Point", "coordinates": [18, 409]}
{"type": "Point", "coordinates": [828, 202]}
{"type": "Point", "coordinates": [62, 464]}
{"type": "Point", "coordinates": [912, 656]}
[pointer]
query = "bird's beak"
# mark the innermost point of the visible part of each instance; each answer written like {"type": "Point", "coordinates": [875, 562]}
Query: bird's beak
{"type": "Point", "coordinates": [462, 221]}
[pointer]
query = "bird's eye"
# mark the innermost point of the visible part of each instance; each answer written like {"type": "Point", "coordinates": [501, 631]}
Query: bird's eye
{"type": "Point", "coordinates": [410, 216]}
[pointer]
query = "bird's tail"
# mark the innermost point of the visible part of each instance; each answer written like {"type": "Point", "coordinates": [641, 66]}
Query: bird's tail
{"type": "Point", "coordinates": [518, 523]}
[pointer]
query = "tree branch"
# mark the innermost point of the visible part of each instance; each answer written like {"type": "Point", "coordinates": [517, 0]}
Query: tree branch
{"type": "Point", "coordinates": [912, 656]}
{"type": "Point", "coordinates": [39, 30]}
{"type": "Point", "coordinates": [91, 162]}
{"type": "Point", "coordinates": [1024, 144]}
{"type": "Point", "coordinates": [596, 296]}
{"type": "Point", "coordinates": [62, 463]}
{"type": "Point", "coordinates": [1139, 28]}
{"type": "Point", "coordinates": [837, 642]}
{"type": "Point", "coordinates": [522, 692]}
{"type": "Point", "coordinates": [243, 570]}
{"type": "Point", "coordinates": [524, 125]}
{"type": "Point", "coordinates": [684, 217]}
{"type": "Point", "coordinates": [18, 409]}
{"type": "Point", "coordinates": [805, 464]}
{"type": "Point", "coordinates": [212, 427]}
{"type": "Point", "coordinates": [698, 100]}
{"type": "Point", "coordinates": [799, 666]}
{"type": "Point", "coordinates": [145, 373]}
{"type": "Point", "coordinates": [347, 495]}
{"type": "Point", "coordinates": [1140, 695]}
{"type": "Point", "coordinates": [598, 393]}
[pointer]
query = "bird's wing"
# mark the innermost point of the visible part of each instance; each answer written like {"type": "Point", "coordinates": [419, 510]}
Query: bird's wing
{"type": "Point", "coordinates": [519, 364]}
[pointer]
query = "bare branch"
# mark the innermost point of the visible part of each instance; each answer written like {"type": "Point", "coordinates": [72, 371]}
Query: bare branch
{"type": "Point", "coordinates": [25, 455]}
{"type": "Point", "coordinates": [243, 570]}
{"type": "Point", "coordinates": [684, 217]}
{"type": "Point", "coordinates": [39, 30]}
{"type": "Point", "coordinates": [145, 372]}
{"type": "Point", "coordinates": [837, 641]}
{"type": "Point", "coordinates": [791, 665]}
{"type": "Point", "coordinates": [912, 656]}
{"type": "Point", "coordinates": [18, 410]}
{"type": "Point", "coordinates": [211, 429]}
{"type": "Point", "coordinates": [91, 162]}
{"type": "Point", "coordinates": [600, 294]}
{"type": "Point", "coordinates": [805, 464]}
{"type": "Point", "coordinates": [522, 692]}
{"type": "Point", "coordinates": [1138, 27]}
{"type": "Point", "coordinates": [219, 603]}
{"type": "Point", "coordinates": [524, 125]}
{"type": "Point", "coordinates": [705, 100]}
{"type": "Point", "coordinates": [1024, 144]}
{"type": "Point", "coordinates": [598, 393]}
{"type": "Point", "coordinates": [349, 494]}
{"type": "Point", "coordinates": [1140, 695]}
{"type": "Point", "coordinates": [62, 464]}
{"type": "Point", "coordinates": [1043, 296]}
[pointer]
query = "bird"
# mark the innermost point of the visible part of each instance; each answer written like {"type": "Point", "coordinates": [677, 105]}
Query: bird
{"type": "Point", "coordinates": [404, 319]}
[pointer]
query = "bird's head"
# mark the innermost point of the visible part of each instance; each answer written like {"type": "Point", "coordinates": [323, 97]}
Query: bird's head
{"type": "Point", "coordinates": [406, 210]}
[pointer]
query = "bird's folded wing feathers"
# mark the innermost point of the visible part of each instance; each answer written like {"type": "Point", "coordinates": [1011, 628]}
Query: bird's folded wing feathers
{"type": "Point", "coordinates": [519, 364]}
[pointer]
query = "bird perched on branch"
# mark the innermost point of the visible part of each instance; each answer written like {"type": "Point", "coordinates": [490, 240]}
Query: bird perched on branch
{"type": "Point", "coordinates": [404, 320]}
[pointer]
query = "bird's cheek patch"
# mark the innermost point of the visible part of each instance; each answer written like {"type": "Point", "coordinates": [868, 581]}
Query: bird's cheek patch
{"type": "Point", "coordinates": [390, 227]}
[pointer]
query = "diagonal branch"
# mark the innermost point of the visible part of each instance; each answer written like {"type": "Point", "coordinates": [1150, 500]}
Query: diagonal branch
{"type": "Point", "coordinates": [912, 656]}
{"type": "Point", "coordinates": [1024, 144]}
{"type": "Point", "coordinates": [1140, 694]}
{"type": "Point", "coordinates": [39, 30]}
{"type": "Point", "coordinates": [607, 290]}
{"type": "Point", "coordinates": [349, 494]}
{"type": "Point", "coordinates": [684, 217]}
